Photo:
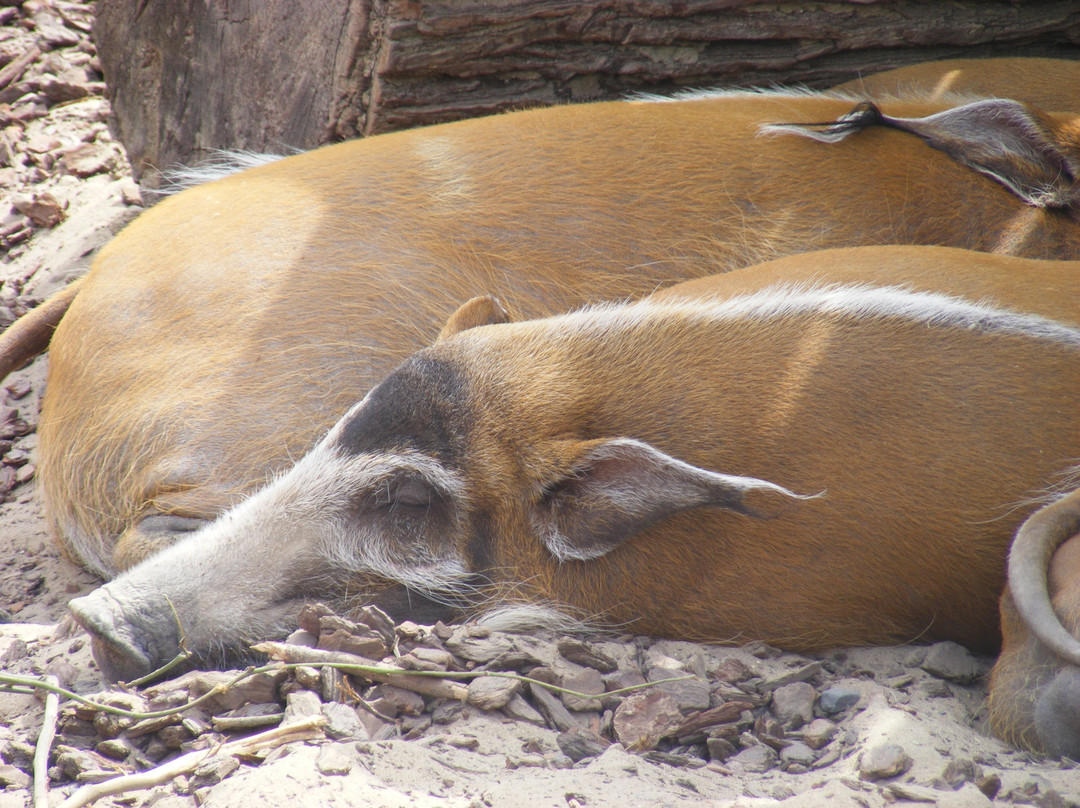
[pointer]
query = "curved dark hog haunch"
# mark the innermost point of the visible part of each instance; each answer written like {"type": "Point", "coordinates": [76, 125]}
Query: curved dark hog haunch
{"type": "Point", "coordinates": [830, 449]}
{"type": "Point", "coordinates": [224, 330]}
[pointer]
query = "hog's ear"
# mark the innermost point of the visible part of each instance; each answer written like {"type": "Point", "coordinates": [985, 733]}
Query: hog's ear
{"type": "Point", "coordinates": [484, 310]}
{"type": "Point", "coordinates": [620, 487]}
{"type": "Point", "coordinates": [1030, 153]}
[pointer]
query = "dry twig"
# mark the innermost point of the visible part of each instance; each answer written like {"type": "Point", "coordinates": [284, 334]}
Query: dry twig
{"type": "Point", "coordinates": [369, 669]}
{"type": "Point", "coordinates": [44, 744]}
{"type": "Point", "coordinates": [302, 730]}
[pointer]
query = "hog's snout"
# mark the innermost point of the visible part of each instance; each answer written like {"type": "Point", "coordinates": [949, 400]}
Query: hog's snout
{"type": "Point", "coordinates": [127, 643]}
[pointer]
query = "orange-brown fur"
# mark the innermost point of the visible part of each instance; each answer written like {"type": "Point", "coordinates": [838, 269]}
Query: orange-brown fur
{"type": "Point", "coordinates": [930, 444]}
{"type": "Point", "coordinates": [222, 331]}
{"type": "Point", "coordinates": [790, 435]}
{"type": "Point", "coordinates": [1052, 84]}
{"type": "Point", "coordinates": [964, 479]}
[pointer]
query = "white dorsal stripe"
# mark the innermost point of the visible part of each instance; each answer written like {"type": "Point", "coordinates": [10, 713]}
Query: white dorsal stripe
{"type": "Point", "coordinates": [858, 301]}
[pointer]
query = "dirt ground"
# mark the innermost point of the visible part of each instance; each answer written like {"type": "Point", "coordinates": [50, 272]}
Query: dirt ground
{"type": "Point", "coordinates": [482, 757]}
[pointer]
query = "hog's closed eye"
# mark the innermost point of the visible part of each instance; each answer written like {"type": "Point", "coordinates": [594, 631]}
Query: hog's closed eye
{"type": "Point", "coordinates": [407, 492]}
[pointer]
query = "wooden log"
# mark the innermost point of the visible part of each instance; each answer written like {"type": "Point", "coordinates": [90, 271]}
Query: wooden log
{"type": "Point", "coordinates": [187, 77]}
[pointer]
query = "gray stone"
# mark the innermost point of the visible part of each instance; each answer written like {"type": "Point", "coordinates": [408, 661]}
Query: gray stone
{"type": "Point", "coordinates": [310, 615]}
{"type": "Point", "coordinates": [378, 621]}
{"type": "Point", "coordinates": [258, 688]}
{"type": "Point", "coordinates": [88, 159]}
{"type": "Point", "coordinates": [756, 759]}
{"type": "Point", "coordinates": [300, 705]}
{"type": "Point", "coordinates": [720, 748]}
{"type": "Point", "coordinates": [560, 762]}
{"type": "Point", "coordinates": [214, 770]}
{"type": "Point", "coordinates": [689, 694]}
{"type": "Point", "coordinates": [935, 689]}
{"type": "Point", "coordinates": [17, 752]}
{"type": "Point", "coordinates": [391, 700]}
{"type": "Point", "coordinates": [582, 653]}
{"type": "Point", "coordinates": [342, 722]}
{"type": "Point", "coordinates": [578, 743]}
{"type": "Point", "coordinates": [427, 659]}
{"type": "Point", "coordinates": [957, 772]}
{"type": "Point", "coordinates": [583, 680]}
{"type": "Point", "coordinates": [884, 761]}
{"type": "Point", "coordinates": [838, 698]}
{"type": "Point", "coordinates": [469, 742]}
{"type": "Point", "coordinates": [447, 711]}
{"type": "Point", "coordinates": [520, 710]}
{"type": "Point", "coordinates": [623, 678]}
{"type": "Point", "coordinates": [368, 645]}
{"type": "Point", "coordinates": [828, 757]}
{"type": "Point", "coordinates": [526, 762]}
{"type": "Point", "coordinates": [332, 686]}
{"type": "Point", "coordinates": [800, 674]}
{"type": "Point", "coordinates": [80, 763]}
{"type": "Point", "coordinates": [989, 785]}
{"type": "Point", "coordinates": [479, 649]}
{"type": "Point", "coordinates": [819, 732]}
{"type": "Point", "coordinates": [492, 692]}
{"type": "Point", "coordinates": [793, 704]}
{"type": "Point", "coordinates": [952, 662]}
{"type": "Point", "coordinates": [335, 759]}
{"type": "Point", "coordinates": [12, 776]}
{"type": "Point", "coordinates": [302, 638]}
{"type": "Point", "coordinates": [174, 736]}
{"type": "Point", "coordinates": [115, 748]}
{"type": "Point", "coordinates": [912, 793]}
{"type": "Point", "coordinates": [552, 708]}
{"type": "Point", "coordinates": [798, 753]}
{"type": "Point", "coordinates": [968, 796]}
{"type": "Point", "coordinates": [11, 650]}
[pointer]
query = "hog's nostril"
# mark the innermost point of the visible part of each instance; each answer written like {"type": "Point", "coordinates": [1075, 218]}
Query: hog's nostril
{"type": "Point", "coordinates": [118, 656]}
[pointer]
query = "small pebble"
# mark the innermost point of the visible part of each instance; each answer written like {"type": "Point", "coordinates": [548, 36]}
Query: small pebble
{"type": "Point", "coordinates": [793, 704]}
{"type": "Point", "coordinates": [578, 743]}
{"type": "Point", "coordinates": [838, 698]}
{"type": "Point", "coordinates": [757, 759]}
{"type": "Point", "coordinates": [335, 759]}
{"type": "Point", "coordinates": [884, 761]}
{"type": "Point", "coordinates": [798, 753]}
{"type": "Point", "coordinates": [952, 662]}
{"type": "Point", "coordinates": [492, 692]}
{"type": "Point", "coordinates": [819, 732]}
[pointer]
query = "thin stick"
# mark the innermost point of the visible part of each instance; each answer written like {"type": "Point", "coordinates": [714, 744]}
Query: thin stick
{"type": "Point", "coordinates": [426, 683]}
{"type": "Point", "coordinates": [369, 669]}
{"type": "Point", "coordinates": [303, 730]}
{"type": "Point", "coordinates": [13, 683]}
{"type": "Point", "coordinates": [44, 744]}
{"type": "Point", "coordinates": [168, 666]}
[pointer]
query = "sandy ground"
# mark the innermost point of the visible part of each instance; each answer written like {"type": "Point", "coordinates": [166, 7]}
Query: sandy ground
{"type": "Point", "coordinates": [483, 758]}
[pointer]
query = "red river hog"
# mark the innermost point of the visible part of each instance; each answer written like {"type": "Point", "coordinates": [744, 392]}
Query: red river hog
{"type": "Point", "coordinates": [832, 449]}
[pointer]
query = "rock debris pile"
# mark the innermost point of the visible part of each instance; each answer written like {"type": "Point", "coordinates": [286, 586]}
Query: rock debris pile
{"type": "Point", "coordinates": [716, 712]}
{"type": "Point", "coordinates": [55, 150]}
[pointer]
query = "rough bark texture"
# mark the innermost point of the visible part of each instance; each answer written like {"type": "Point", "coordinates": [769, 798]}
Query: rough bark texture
{"type": "Point", "coordinates": [187, 77]}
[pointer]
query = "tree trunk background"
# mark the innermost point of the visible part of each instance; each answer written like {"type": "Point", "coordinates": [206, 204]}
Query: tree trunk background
{"type": "Point", "coordinates": [188, 77]}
